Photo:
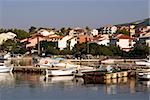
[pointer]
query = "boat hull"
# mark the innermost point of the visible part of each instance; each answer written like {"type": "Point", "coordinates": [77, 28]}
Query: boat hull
{"type": "Point", "coordinates": [144, 76]}
{"type": "Point", "coordinates": [67, 72]}
{"type": "Point", "coordinates": [6, 69]}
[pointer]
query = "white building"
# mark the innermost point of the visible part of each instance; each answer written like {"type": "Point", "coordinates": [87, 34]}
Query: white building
{"type": "Point", "coordinates": [63, 42]}
{"type": "Point", "coordinates": [6, 36]}
{"type": "Point", "coordinates": [104, 42]}
{"type": "Point", "coordinates": [145, 39]}
{"type": "Point", "coordinates": [94, 32]}
{"type": "Point", "coordinates": [45, 32]}
{"type": "Point", "coordinates": [109, 29]}
{"type": "Point", "coordinates": [125, 42]}
{"type": "Point", "coordinates": [73, 41]}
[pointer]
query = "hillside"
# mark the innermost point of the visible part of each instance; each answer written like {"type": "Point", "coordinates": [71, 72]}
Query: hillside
{"type": "Point", "coordinates": [139, 23]}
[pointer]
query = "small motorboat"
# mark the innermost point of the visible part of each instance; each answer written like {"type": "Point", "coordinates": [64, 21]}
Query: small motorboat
{"type": "Point", "coordinates": [144, 75]}
{"type": "Point", "coordinates": [145, 62]}
{"type": "Point", "coordinates": [4, 68]}
{"type": "Point", "coordinates": [61, 72]}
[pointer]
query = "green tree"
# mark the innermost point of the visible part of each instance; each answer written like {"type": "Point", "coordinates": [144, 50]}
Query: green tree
{"type": "Point", "coordinates": [80, 48]}
{"type": "Point", "coordinates": [124, 31]}
{"type": "Point", "coordinates": [3, 30]}
{"type": "Point", "coordinates": [49, 47]}
{"type": "Point", "coordinates": [66, 51]}
{"type": "Point", "coordinates": [21, 34]}
{"type": "Point", "coordinates": [13, 47]}
{"type": "Point", "coordinates": [32, 29]}
{"type": "Point", "coordinates": [140, 50]}
{"type": "Point", "coordinates": [116, 50]}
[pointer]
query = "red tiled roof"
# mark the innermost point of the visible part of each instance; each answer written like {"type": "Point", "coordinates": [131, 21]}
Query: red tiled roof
{"type": "Point", "coordinates": [122, 36]}
{"type": "Point", "coordinates": [58, 37]}
{"type": "Point", "coordinates": [97, 38]}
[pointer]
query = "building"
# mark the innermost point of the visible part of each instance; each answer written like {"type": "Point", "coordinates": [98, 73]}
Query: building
{"type": "Point", "coordinates": [84, 38]}
{"type": "Point", "coordinates": [45, 32]}
{"type": "Point", "coordinates": [109, 29]}
{"type": "Point", "coordinates": [132, 30]}
{"type": "Point", "coordinates": [94, 32]}
{"type": "Point", "coordinates": [54, 38]}
{"type": "Point", "coordinates": [72, 42]}
{"type": "Point", "coordinates": [145, 39]}
{"type": "Point", "coordinates": [102, 39]}
{"type": "Point", "coordinates": [77, 31]}
{"type": "Point", "coordinates": [126, 43]}
{"type": "Point", "coordinates": [6, 36]}
{"type": "Point", "coordinates": [32, 41]}
{"type": "Point", "coordinates": [63, 42]}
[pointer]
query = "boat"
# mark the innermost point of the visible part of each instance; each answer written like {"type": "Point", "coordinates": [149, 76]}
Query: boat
{"type": "Point", "coordinates": [145, 62]}
{"type": "Point", "coordinates": [61, 72]}
{"type": "Point", "coordinates": [144, 75]}
{"type": "Point", "coordinates": [107, 73]}
{"type": "Point", "coordinates": [57, 62]}
{"type": "Point", "coordinates": [4, 68]}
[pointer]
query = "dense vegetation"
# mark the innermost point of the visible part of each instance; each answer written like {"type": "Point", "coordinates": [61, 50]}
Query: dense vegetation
{"type": "Point", "coordinates": [14, 46]}
{"type": "Point", "coordinates": [21, 34]}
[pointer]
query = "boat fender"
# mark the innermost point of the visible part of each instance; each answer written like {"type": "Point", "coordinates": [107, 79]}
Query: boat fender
{"type": "Point", "coordinates": [46, 61]}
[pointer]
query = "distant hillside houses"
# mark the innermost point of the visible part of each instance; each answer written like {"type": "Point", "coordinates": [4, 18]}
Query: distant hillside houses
{"type": "Point", "coordinates": [109, 29]}
{"type": "Point", "coordinates": [46, 32]}
{"type": "Point", "coordinates": [106, 35]}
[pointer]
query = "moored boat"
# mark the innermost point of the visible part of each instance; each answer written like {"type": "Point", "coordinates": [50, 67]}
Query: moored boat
{"type": "Point", "coordinates": [144, 75]}
{"type": "Point", "coordinates": [4, 68]}
{"type": "Point", "coordinates": [61, 72]}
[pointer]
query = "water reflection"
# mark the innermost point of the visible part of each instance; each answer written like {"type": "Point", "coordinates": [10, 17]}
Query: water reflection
{"type": "Point", "coordinates": [120, 85]}
{"type": "Point", "coordinates": [64, 81]}
{"type": "Point", "coordinates": [36, 85]}
{"type": "Point", "coordinates": [6, 79]}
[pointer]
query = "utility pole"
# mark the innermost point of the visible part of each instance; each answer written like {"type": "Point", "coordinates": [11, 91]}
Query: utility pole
{"type": "Point", "coordinates": [38, 42]}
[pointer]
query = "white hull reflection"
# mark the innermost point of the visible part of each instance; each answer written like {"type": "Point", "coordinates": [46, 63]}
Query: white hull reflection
{"type": "Point", "coordinates": [145, 83]}
{"type": "Point", "coordinates": [59, 79]}
{"type": "Point", "coordinates": [6, 79]}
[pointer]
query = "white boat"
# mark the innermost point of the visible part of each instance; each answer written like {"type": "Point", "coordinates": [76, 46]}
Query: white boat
{"type": "Point", "coordinates": [63, 72]}
{"type": "Point", "coordinates": [4, 68]}
{"type": "Point", "coordinates": [145, 75]}
{"type": "Point", "coordinates": [143, 62]}
{"type": "Point", "coordinates": [108, 61]}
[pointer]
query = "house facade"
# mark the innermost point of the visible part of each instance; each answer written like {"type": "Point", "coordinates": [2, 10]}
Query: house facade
{"type": "Point", "coordinates": [6, 36]}
{"type": "Point", "coordinates": [145, 39]}
{"type": "Point", "coordinates": [126, 43]}
{"type": "Point", "coordinates": [63, 42]}
{"type": "Point", "coordinates": [32, 41]}
{"type": "Point", "coordinates": [109, 29]}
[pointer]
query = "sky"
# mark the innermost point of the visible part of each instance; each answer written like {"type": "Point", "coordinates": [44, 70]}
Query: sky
{"type": "Point", "coordinates": [70, 13]}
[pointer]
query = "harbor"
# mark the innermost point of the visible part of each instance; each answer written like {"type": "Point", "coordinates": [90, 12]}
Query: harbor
{"type": "Point", "coordinates": [24, 86]}
{"type": "Point", "coordinates": [46, 77]}
{"type": "Point", "coordinates": [128, 66]}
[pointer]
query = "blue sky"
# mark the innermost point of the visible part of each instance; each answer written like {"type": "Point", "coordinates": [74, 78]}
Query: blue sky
{"type": "Point", "coordinates": [70, 13]}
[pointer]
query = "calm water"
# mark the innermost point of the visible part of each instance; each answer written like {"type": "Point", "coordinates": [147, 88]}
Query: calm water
{"type": "Point", "coordinates": [36, 87]}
